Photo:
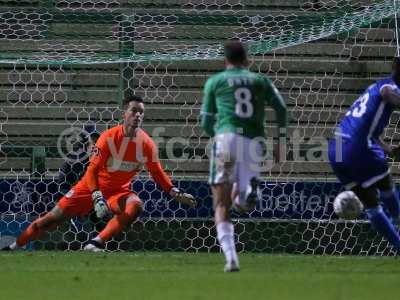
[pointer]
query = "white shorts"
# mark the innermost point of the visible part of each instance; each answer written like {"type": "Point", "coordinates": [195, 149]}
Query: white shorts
{"type": "Point", "coordinates": [235, 159]}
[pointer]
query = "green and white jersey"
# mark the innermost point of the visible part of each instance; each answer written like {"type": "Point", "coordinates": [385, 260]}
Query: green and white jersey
{"type": "Point", "coordinates": [236, 98]}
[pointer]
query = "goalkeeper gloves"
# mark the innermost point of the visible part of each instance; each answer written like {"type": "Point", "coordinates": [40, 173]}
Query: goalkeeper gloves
{"type": "Point", "coordinates": [100, 205]}
{"type": "Point", "coordinates": [182, 197]}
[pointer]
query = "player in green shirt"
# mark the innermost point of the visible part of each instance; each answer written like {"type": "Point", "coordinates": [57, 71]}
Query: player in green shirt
{"type": "Point", "coordinates": [233, 112]}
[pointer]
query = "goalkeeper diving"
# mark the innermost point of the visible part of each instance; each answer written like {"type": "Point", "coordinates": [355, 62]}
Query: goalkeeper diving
{"type": "Point", "coordinates": [119, 155]}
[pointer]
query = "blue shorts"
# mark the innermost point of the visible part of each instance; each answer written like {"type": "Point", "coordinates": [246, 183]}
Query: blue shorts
{"type": "Point", "coordinates": [357, 164]}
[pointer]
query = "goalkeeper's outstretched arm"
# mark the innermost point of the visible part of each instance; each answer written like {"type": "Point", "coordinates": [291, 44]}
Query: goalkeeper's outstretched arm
{"type": "Point", "coordinates": [157, 172]}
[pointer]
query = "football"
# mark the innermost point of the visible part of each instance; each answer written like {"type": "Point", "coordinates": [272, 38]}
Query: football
{"type": "Point", "coordinates": [347, 205]}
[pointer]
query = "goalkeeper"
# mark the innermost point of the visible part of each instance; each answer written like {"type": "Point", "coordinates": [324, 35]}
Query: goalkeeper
{"type": "Point", "coordinates": [119, 155]}
{"type": "Point", "coordinates": [233, 113]}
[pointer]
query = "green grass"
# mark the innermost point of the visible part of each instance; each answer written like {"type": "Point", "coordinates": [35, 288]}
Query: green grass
{"type": "Point", "coordinates": [77, 275]}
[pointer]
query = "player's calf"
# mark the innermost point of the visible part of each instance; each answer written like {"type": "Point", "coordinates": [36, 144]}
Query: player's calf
{"type": "Point", "coordinates": [389, 198]}
{"type": "Point", "coordinates": [383, 225]}
{"type": "Point", "coordinates": [224, 226]}
{"type": "Point", "coordinates": [253, 193]}
{"type": "Point", "coordinates": [246, 200]}
{"type": "Point", "coordinates": [390, 201]}
{"type": "Point", "coordinates": [37, 229]}
{"type": "Point", "coordinates": [133, 208]}
{"type": "Point", "coordinates": [378, 219]}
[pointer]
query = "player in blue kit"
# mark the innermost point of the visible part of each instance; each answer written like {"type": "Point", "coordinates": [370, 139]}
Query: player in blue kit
{"type": "Point", "coordinates": [358, 155]}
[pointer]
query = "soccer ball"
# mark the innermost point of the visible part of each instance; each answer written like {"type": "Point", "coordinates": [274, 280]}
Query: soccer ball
{"type": "Point", "coordinates": [347, 206]}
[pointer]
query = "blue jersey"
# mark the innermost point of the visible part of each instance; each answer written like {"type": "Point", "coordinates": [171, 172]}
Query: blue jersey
{"type": "Point", "coordinates": [369, 115]}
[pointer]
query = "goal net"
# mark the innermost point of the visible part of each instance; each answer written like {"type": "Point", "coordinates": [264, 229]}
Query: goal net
{"type": "Point", "coordinates": [66, 65]}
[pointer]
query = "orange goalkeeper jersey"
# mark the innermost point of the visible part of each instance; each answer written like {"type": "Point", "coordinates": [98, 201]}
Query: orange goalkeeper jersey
{"type": "Point", "coordinates": [118, 159]}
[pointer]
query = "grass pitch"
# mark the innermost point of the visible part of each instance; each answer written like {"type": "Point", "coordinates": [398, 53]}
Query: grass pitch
{"type": "Point", "coordinates": [78, 275]}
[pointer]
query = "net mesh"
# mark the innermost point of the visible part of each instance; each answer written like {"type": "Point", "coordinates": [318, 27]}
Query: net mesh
{"type": "Point", "coordinates": [66, 65]}
{"type": "Point", "coordinates": [64, 32]}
